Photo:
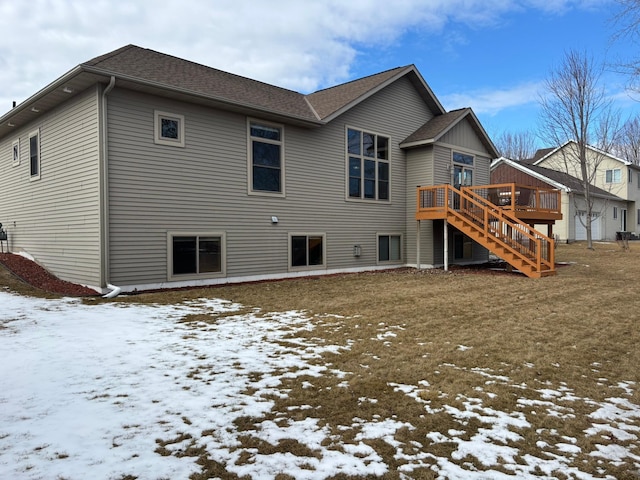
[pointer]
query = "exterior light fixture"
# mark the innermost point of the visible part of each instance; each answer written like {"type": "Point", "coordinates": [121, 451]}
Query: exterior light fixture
{"type": "Point", "coordinates": [274, 219]}
{"type": "Point", "coordinates": [357, 250]}
{"type": "Point", "coordinates": [35, 110]}
{"type": "Point", "coordinates": [67, 90]}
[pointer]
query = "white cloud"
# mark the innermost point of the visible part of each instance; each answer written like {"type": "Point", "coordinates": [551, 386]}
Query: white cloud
{"type": "Point", "coordinates": [491, 102]}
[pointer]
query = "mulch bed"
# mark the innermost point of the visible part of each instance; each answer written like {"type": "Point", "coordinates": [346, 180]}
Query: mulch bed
{"type": "Point", "coordinates": [33, 274]}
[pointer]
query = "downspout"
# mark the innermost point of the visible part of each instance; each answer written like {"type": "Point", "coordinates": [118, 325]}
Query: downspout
{"type": "Point", "coordinates": [104, 196]}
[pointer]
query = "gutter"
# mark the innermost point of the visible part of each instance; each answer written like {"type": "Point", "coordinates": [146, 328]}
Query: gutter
{"type": "Point", "coordinates": [104, 194]}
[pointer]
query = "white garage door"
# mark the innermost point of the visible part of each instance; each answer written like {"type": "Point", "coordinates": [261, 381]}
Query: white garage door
{"type": "Point", "coordinates": [581, 230]}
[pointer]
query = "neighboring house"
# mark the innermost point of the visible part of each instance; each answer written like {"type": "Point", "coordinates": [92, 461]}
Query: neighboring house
{"type": "Point", "coordinates": [144, 170]}
{"type": "Point", "coordinates": [615, 176]}
{"type": "Point", "coordinates": [570, 227]}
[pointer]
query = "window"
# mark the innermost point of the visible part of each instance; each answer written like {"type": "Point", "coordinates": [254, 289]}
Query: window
{"type": "Point", "coordinates": [638, 181]}
{"type": "Point", "coordinates": [639, 216]}
{"type": "Point", "coordinates": [462, 169]}
{"type": "Point", "coordinates": [196, 255]}
{"type": "Point", "coordinates": [266, 165]}
{"type": "Point", "coordinates": [367, 165]}
{"type": "Point", "coordinates": [15, 152]}
{"type": "Point", "coordinates": [306, 251]}
{"type": "Point", "coordinates": [629, 175]}
{"type": "Point", "coordinates": [169, 129]}
{"type": "Point", "coordinates": [615, 212]}
{"type": "Point", "coordinates": [612, 176]}
{"type": "Point", "coordinates": [34, 154]}
{"type": "Point", "coordinates": [389, 248]}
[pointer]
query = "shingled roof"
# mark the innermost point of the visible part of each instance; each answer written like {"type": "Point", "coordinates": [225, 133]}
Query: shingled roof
{"type": "Point", "coordinates": [439, 125]}
{"type": "Point", "coordinates": [162, 69]}
{"type": "Point", "coordinates": [157, 73]}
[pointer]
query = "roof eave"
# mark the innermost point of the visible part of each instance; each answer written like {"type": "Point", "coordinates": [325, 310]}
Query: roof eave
{"type": "Point", "coordinates": [232, 105]}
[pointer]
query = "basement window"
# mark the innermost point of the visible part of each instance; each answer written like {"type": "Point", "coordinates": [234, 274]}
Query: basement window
{"type": "Point", "coordinates": [196, 255]}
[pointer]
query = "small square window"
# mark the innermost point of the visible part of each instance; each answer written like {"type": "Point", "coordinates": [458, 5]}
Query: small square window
{"type": "Point", "coordinates": [15, 152]}
{"type": "Point", "coordinates": [169, 129]}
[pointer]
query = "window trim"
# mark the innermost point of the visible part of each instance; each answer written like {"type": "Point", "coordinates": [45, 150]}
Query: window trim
{"type": "Point", "coordinates": [281, 143]}
{"type": "Point", "coordinates": [361, 156]}
{"type": "Point", "coordinates": [158, 139]}
{"type": "Point", "coordinates": [463, 166]}
{"type": "Point", "coordinates": [15, 152]}
{"type": "Point", "coordinates": [38, 174]}
{"type": "Point", "coordinates": [615, 213]}
{"type": "Point", "coordinates": [196, 233]}
{"type": "Point", "coordinates": [389, 262]}
{"type": "Point", "coordinates": [303, 268]}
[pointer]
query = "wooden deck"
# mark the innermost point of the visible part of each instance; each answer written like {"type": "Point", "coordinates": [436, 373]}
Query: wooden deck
{"type": "Point", "coordinates": [501, 218]}
{"type": "Point", "coordinates": [530, 204]}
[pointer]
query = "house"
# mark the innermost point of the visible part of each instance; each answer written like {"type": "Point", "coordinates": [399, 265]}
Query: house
{"type": "Point", "coordinates": [617, 177]}
{"type": "Point", "coordinates": [570, 227]}
{"type": "Point", "coordinates": [143, 170]}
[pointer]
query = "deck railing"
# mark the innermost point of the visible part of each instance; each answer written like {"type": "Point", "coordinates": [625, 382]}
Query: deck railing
{"type": "Point", "coordinates": [494, 221]}
{"type": "Point", "coordinates": [516, 197]}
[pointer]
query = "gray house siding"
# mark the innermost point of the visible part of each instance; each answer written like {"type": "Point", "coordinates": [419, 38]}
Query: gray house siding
{"type": "Point", "coordinates": [155, 189]}
{"type": "Point", "coordinates": [56, 218]}
{"type": "Point", "coordinates": [420, 172]}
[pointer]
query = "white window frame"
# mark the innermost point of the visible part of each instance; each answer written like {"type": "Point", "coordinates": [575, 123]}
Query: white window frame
{"type": "Point", "coordinates": [390, 261]}
{"type": "Point", "coordinates": [362, 157]}
{"type": "Point", "coordinates": [280, 143]}
{"type": "Point", "coordinates": [465, 168]}
{"type": "Point", "coordinates": [196, 276]}
{"type": "Point", "coordinates": [158, 116]}
{"type": "Point", "coordinates": [15, 152]}
{"type": "Point", "coordinates": [36, 134]}
{"type": "Point", "coordinates": [307, 267]}
{"type": "Point", "coordinates": [610, 175]}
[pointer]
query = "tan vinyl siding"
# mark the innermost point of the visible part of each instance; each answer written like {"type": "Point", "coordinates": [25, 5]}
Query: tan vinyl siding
{"type": "Point", "coordinates": [203, 186]}
{"type": "Point", "coordinates": [420, 172]}
{"type": "Point", "coordinates": [463, 135]}
{"type": "Point", "coordinates": [56, 218]}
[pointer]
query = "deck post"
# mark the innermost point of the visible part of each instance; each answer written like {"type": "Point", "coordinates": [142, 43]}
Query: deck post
{"type": "Point", "coordinates": [446, 245]}
{"type": "Point", "coordinates": [418, 244]}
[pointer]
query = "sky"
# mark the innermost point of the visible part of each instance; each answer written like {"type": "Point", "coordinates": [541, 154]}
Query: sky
{"type": "Point", "coordinates": [77, 404]}
{"type": "Point", "coordinates": [491, 55]}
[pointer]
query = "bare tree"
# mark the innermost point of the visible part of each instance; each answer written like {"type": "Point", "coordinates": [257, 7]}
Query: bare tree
{"type": "Point", "coordinates": [516, 145]}
{"type": "Point", "coordinates": [575, 107]}
{"type": "Point", "coordinates": [626, 23]}
{"type": "Point", "coordinates": [628, 147]}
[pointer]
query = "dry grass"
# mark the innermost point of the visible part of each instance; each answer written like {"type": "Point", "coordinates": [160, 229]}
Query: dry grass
{"type": "Point", "coordinates": [576, 331]}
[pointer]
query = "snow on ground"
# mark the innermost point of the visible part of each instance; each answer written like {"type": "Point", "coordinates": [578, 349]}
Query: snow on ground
{"type": "Point", "coordinates": [86, 390]}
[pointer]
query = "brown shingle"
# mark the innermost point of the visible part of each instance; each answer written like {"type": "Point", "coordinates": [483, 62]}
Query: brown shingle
{"type": "Point", "coordinates": [436, 126]}
{"type": "Point", "coordinates": [330, 100]}
{"type": "Point", "coordinates": [159, 68]}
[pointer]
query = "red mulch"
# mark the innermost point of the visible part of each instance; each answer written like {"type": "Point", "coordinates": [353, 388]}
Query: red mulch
{"type": "Point", "coordinates": [33, 274]}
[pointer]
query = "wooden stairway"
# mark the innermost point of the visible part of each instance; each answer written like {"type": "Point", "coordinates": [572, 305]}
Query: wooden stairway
{"type": "Point", "coordinates": [495, 228]}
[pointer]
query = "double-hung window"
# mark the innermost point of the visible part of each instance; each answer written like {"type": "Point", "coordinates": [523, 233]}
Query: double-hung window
{"type": "Point", "coordinates": [613, 176]}
{"type": "Point", "coordinates": [389, 248]}
{"type": "Point", "coordinates": [34, 154]}
{"type": "Point", "coordinates": [307, 251]}
{"type": "Point", "coordinates": [266, 162]}
{"type": "Point", "coordinates": [367, 165]}
{"type": "Point", "coordinates": [195, 255]}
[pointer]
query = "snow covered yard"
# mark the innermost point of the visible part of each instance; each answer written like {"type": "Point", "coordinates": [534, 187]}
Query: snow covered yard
{"type": "Point", "coordinates": [196, 390]}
